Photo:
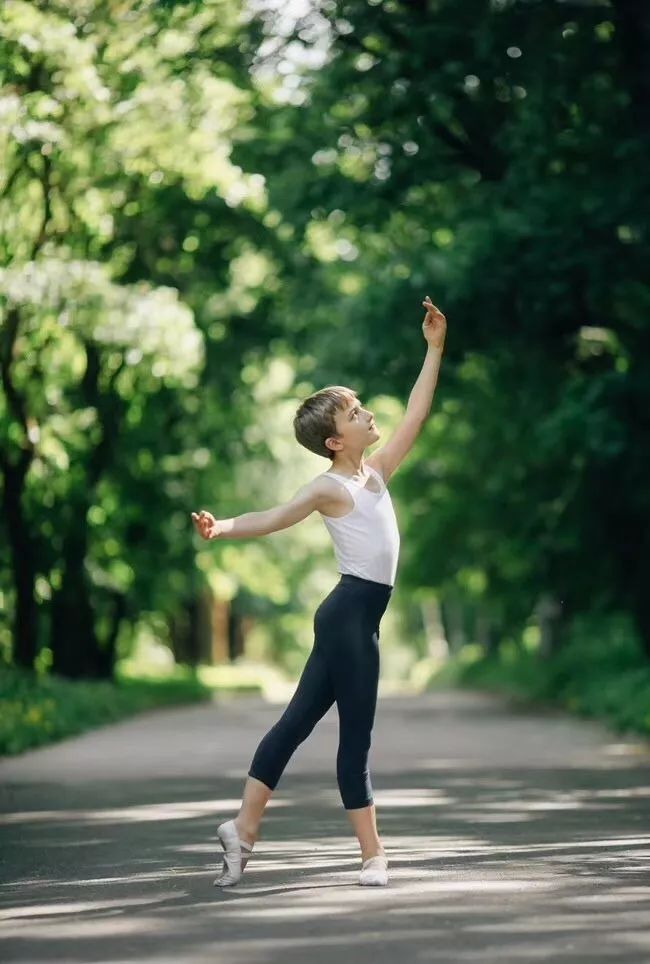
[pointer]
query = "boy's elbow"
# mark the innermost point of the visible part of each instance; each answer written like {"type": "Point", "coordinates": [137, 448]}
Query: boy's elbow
{"type": "Point", "coordinates": [306, 500]}
{"type": "Point", "coordinates": [284, 516]}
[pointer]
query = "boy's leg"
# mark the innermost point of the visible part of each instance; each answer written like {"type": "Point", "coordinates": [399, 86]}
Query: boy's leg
{"type": "Point", "coordinates": [364, 822]}
{"type": "Point", "coordinates": [255, 798]}
{"type": "Point", "coordinates": [356, 679]}
{"type": "Point", "coordinates": [313, 697]}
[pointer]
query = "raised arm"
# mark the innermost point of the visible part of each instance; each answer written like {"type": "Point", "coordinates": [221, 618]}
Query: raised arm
{"type": "Point", "coordinates": [306, 500]}
{"type": "Point", "coordinates": [389, 456]}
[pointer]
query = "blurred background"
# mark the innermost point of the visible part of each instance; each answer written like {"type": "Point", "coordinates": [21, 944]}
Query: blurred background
{"type": "Point", "coordinates": [209, 210]}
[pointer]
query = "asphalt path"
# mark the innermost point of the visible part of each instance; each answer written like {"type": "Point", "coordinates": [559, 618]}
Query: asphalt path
{"type": "Point", "coordinates": [512, 836]}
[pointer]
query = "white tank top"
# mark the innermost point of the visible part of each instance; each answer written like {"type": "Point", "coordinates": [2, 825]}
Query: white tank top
{"type": "Point", "coordinates": [366, 540]}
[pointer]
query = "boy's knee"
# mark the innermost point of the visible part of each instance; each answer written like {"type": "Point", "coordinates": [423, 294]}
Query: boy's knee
{"type": "Point", "coordinates": [354, 750]}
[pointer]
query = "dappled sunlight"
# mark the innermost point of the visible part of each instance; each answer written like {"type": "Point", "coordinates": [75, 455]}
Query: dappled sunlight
{"type": "Point", "coordinates": [440, 763]}
{"type": "Point", "coordinates": [498, 817]}
{"type": "Point", "coordinates": [420, 905]}
{"type": "Point", "coordinates": [480, 854]}
{"type": "Point", "coordinates": [91, 842]}
{"type": "Point", "coordinates": [412, 798]}
{"type": "Point", "coordinates": [624, 895]}
{"type": "Point", "coordinates": [640, 748]}
{"type": "Point", "coordinates": [592, 799]}
{"type": "Point", "coordinates": [304, 875]}
{"type": "Point", "coordinates": [132, 877]}
{"type": "Point", "coordinates": [76, 907]}
{"type": "Point", "coordinates": [187, 810]}
{"type": "Point", "coordinates": [535, 805]}
{"type": "Point", "coordinates": [626, 793]}
{"type": "Point", "coordinates": [78, 929]}
{"type": "Point", "coordinates": [336, 897]}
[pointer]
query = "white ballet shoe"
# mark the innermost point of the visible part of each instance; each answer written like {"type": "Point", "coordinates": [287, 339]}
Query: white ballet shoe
{"type": "Point", "coordinates": [374, 871]}
{"type": "Point", "coordinates": [236, 855]}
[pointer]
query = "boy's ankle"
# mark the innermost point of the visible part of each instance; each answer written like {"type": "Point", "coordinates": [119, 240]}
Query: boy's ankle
{"type": "Point", "coordinates": [377, 852]}
{"type": "Point", "coordinates": [247, 834]}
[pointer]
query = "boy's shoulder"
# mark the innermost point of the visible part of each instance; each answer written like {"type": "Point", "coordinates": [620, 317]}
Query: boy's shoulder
{"type": "Point", "coordinates": [322, 482]}
{"type": "Point", "coordinates": [327, 491]}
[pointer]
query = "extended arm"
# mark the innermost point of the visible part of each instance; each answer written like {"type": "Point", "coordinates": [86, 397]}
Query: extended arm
{"type": "Point", "coordinates": [251, 524]}
{"type": "Point", "coordinates": [401, 441]}
{"type": "Point", "coordinates": [419, 403]}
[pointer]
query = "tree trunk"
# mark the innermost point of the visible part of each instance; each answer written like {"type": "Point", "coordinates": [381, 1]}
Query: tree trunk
{"type": "Point", "coordinates": [107, 652]}
{"type": "Point", "coordinates": [488, 633]}
{"type": "Point", "coordinates": [437, 645]}
{"type": "Point", "coordinates": [75, 644]}
{"type": "Point", "coordinates": [453, 619]}
{"type": "Point", "coordinates": [76, 652]}
{"type": "Point", "coordinates": [236, 633]}
{"type": "Point", "coordinates": [550, 618]}
{"type": "Point", "coordinates": [23, 556]}
{"type": "Point", "coordinates": [641, 609]}
{"type": "Point", "coordinates": [191, 631]}
{"type": "Point", "coordinates": [632, 21]}
{"type": "Point", "coordinates": [21, 542]}
{"type": "Point", "coordinates": [219, 635]}
{"type": "Point", "coordinates": [178, 630]}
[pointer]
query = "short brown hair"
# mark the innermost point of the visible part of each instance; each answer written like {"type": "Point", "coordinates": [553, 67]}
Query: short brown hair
{"type": "Point", "coordinates": [315, 419]}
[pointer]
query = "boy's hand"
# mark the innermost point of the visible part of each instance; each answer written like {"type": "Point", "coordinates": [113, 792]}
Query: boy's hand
{"type": "Point", "coordinates": [206, 525]}
{"type": "Point", "coordinates": [434, 326]}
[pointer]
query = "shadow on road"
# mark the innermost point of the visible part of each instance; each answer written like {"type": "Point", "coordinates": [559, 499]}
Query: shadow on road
{"type": "Point", "coordinates": [501, 864]}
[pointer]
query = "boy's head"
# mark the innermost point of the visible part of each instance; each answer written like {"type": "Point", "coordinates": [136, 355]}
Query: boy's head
{"type": "Point", "coordinates": [333, 419]}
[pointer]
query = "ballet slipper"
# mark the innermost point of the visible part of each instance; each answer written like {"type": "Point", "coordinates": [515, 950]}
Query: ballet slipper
{"type": "Point", "coordinates": [374, 871]}
{"type": "Point", "coordinates": [236, 855]}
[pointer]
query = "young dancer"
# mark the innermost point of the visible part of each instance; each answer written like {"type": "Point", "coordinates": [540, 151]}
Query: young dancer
{"type": "Point", "coordinates": [343, 666]}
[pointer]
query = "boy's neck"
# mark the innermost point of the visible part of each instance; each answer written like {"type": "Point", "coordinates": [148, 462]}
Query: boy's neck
{"type": "Point", "coordinates": [349, 467]}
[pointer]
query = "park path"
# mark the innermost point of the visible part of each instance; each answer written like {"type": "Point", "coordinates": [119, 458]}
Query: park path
{"type": "Point", "coordinates": [512, 836]}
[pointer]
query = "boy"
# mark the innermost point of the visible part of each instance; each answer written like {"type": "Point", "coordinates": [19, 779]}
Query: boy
{"type": "Point", "coordinates": [343, 666]}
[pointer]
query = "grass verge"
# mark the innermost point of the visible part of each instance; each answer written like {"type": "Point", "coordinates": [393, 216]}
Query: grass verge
{"type": "Point", "coordinates": [39, 709]}
{"type": "Point", "coordinates": [36, 709]}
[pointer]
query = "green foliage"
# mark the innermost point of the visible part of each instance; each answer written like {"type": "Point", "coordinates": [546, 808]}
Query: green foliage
{"type": "Point", "coordinates": [149, 325]}
{"type": "Point", "coordinates": [601, 672]}
{"type": "Point", "coordinates": [35, 710]}
{"type": "Point", "coordinates": [178, 229]}
{"type": "Point", "coordinates": [130, 244]}
{"type": "Point", "coordinates": [474, 151]}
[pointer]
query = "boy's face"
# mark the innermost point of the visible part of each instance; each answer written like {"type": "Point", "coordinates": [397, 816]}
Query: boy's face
{"type": "Point", "coordinates": [356, 426]}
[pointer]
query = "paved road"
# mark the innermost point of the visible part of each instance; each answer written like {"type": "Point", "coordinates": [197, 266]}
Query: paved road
{"type": "Point", "coordinates": [512, 837]}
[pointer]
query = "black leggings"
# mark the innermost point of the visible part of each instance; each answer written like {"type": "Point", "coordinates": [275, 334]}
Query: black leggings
{"type": "Point", "coordinates": [343, 666]}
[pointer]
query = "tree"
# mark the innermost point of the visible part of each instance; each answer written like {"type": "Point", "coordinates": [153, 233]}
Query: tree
{"type": "Point", "coordinates": [118, 193]}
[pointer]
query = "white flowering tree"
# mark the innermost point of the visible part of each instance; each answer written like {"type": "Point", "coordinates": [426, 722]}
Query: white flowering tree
{"type": "Point", "coordinates": [86, 350]}
{"type": "Point", "coordinates": [121, 211]}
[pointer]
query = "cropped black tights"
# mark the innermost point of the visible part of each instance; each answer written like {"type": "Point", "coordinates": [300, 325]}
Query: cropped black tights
{"type": "Point", "coordinates": [343, 667]}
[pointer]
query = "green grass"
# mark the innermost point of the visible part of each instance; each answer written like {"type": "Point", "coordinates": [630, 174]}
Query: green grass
{"type": "Point", "coordinates": [601, 673]}
{"type": "Point", "coordinates": [39, 709]}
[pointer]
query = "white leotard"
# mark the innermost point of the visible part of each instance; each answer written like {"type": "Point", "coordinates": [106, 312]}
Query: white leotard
{"type": "Point", "coordinates": [366, 540]}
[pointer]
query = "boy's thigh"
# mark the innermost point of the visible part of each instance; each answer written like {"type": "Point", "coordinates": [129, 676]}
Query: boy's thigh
{"type": "Point", "coordinates": [356, 679]}
{"type": "Point", "coordinates": [314, 693]}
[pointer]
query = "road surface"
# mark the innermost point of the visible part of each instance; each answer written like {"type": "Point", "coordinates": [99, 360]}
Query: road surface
{"type": "Point", "coordinates": [512, 836]}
